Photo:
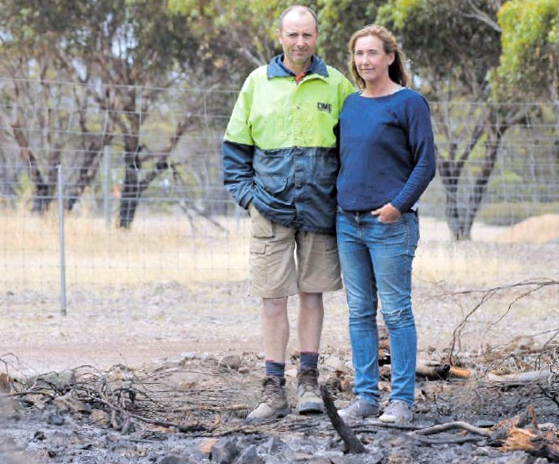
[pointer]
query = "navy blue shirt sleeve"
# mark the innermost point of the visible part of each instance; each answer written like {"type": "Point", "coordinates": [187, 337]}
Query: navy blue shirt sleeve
{"type": "Point", "coordinates": [387, 151]}
{"type": "Point", "coordinates": [422, 150]}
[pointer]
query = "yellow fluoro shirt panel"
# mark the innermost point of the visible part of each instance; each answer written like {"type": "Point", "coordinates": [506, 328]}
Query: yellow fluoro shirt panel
{"type": "Point", "coordinates": [281, 113]}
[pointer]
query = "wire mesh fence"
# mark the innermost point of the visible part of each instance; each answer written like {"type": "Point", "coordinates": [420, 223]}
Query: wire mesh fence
{"type": "Point", "coordinates": [122, 188]}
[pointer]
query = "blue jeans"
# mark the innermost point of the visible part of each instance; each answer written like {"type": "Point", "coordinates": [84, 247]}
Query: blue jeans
{"type": "Point", "coordinates": [376, 262]}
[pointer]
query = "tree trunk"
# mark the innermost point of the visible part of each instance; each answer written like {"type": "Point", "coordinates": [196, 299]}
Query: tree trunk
{"type": "Point", "coordinates": [131, 191]}
{"type": "Point", "coordinates": [462, 207]}
{"type": "Point", "coordinates": [41, 199]}
{"type": "Point", "coordinates": [88, 170]}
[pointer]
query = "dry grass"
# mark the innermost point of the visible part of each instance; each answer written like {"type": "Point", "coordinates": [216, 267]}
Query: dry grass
{"type": "Point", "coordinates": [154, 249]}
{"type": "Point", "coordinates": [165, 287]}
{"type": "Point", "coordinates": [170, 249]}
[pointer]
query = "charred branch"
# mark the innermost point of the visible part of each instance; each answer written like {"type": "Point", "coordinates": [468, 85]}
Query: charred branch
{"type": "Point", "coordinates": [352, 444]}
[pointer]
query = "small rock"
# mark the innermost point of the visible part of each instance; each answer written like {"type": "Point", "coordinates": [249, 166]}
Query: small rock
{"type": "Point", "coordinates": [39, 436]}
{"type": "Point", "coordinates": [231, 361]}
{"type": "Point", "coordinates": [100, 418]}
{"type": "Point", "coordinates": [207, 445]}
{"type": "Point", "coordinates": [272, 446]}
{"type": "Point", "coordinates": [225, 451]}
{"type": "Point", "coordinates": [249, 456]}
{"type": "Point", "coordinates": [171, 460]}
{"type": "Point", "coordinates": [547, 427]}
{"type": "Point", "coordinates": [55, 419]}
{"type": "Point", "coordinates": [336, 364]}
{"type": "Point", "coordinates": [518, 457]}
{"type": "Point", "coordinates": [291, 373]}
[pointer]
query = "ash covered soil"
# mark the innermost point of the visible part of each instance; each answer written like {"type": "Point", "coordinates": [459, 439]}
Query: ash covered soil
{"type": "Point", "coordinates": [190, 409]}
{"type": "Point", "coordinates": [166, 374]}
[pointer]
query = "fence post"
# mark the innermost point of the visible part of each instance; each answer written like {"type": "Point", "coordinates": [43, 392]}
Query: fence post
{"type": "Point", "coordinates": [107, 185]}
{"type": "Point", "coordinates": [62, 243]}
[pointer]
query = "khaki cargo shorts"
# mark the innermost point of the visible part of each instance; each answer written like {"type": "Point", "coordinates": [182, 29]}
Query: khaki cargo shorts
{"type": "Point", "coordinates": [285, 262]}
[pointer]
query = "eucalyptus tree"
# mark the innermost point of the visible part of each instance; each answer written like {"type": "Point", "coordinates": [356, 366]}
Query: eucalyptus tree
{"type": "Point", "coordinates": [238, 35]}
{"type": "Point", "coordinates": [338, 21]}
{"type": "Point", "coordinates": [529, 64]}
{"type": "Point", "coordinates": [122, 56]}
{"type": "Point", "coordinates": [529, 70]}
{"type": "Point", "coordinates": [27, 111]}
{"type": "Point", "coordinates": [453, 46]}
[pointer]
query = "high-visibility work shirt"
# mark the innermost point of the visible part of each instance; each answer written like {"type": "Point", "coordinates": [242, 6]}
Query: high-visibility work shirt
{"type": "Point", "coordinates": [280, 146]}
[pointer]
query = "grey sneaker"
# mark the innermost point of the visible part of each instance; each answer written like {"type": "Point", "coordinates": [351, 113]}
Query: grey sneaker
{"type": "Point", "coordinates": [397, 412]}
{"type": "Point", "coordinates": [273, 403]}
{"type": "Point", "coordinates": [358, 408]}
{"type": "Point", "coordinates": [308, 393]}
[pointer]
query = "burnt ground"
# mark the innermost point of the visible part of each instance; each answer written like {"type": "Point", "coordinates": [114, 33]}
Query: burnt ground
{"type": "Point", "coordinates": [75, 395]}
{"type": "Point", "coordinates": [191, 409]}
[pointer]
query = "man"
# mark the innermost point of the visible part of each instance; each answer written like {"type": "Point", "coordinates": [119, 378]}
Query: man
{"type": "Point", "coordinates": [280, 162]}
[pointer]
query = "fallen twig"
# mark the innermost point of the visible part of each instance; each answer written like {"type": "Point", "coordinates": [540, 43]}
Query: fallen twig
{"type": "Point", "coordinates": [452, 426]}
{"type": "Point", "coordinates": [520, 378]}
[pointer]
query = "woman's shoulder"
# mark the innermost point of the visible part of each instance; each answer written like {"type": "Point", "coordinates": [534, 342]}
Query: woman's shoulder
{"type": "Point", "coordinates": [353, 98]}
{"type": "Point", "coordinates": [412, 95]}
{"type": "Point", "coordinates": [412, 98]}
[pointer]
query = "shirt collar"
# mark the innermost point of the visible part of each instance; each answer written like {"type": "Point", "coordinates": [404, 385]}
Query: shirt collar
{"type": "Point", "coordinates": [276, 68]}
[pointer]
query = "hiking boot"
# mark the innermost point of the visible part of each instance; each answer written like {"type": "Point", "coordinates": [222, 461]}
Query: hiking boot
{"type": "Point", "coordinates": [397, 412]}
{"type": "Point", "coordinates": [308, 393]}
{"type": "Point", "coordinates": [273, 403]}
{"type": "Point", "coordinates": [358, 408]}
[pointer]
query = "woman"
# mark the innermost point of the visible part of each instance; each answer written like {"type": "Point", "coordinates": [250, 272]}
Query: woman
{"type": "Point", "coordinates": [387, 162]}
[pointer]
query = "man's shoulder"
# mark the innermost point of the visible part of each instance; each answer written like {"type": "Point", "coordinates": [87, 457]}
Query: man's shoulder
{"type": "Point", "coordinates": [259, 72]}
{"type": "Point", "coordinates": [337, 75]}
{"type": "Point", "coordinates": [253, 78]}
{"type": "Point", "coordinates": [332, 70]}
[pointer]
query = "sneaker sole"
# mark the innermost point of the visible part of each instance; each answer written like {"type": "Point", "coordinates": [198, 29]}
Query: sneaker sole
{"type": "Point", "coordinates": [392, 420]}
{"type": "Point", "coordinates": [357, 418]}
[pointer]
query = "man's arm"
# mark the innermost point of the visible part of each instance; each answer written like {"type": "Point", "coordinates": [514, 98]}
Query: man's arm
{"type": "Point", "coordinates": [238, 148]}
{"type": "Point", "coordinates": [238, 171]}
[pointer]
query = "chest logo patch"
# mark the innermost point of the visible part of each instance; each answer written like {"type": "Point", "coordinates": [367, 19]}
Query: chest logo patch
{"type": "Point", "coordinates": [326, 107]}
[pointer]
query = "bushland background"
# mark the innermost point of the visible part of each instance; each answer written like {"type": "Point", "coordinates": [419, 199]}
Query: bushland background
{"type": "Point", "coordinates": [118, 243]}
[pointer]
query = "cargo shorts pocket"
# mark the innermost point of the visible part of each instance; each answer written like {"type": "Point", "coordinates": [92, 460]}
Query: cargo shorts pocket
{"type": "Point", "coordinates": [257, 248]}
{"type": "Point", "coordinates": [261, 227]}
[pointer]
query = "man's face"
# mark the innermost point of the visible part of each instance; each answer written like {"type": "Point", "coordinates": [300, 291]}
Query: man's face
{"type": "Point", "coordinates": [298, 38]}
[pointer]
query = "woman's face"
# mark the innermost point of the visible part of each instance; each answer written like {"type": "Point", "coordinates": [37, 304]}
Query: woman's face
{"type": "Point", "coordinates": [371, 60]}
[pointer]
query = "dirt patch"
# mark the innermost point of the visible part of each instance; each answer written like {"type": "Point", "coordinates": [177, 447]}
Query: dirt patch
{"type": "Point", "coordinates": [539, 229]}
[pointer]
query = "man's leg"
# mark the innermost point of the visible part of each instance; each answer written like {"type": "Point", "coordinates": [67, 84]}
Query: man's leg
{"type": "Point", "coordinates": [275, 328]}
{"type": "Point", "coordinates": [318, 272]}
{"type": "Point", "coordinates": [275, 331]}
{"type": "Point", "coordinates": [311, 317]}
{"type": "Point", "coordinates": [273, 277]}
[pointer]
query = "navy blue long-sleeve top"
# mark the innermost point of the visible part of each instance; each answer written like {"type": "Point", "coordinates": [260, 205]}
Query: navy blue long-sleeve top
{"type": "Point", "coordinates": [387, 151]}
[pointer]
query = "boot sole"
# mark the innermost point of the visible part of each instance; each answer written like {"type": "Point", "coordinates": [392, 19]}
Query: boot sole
{"type": "Point", "coordinates": [310, 408]}
{"type": "Point", "coordinates": [277, 415]}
